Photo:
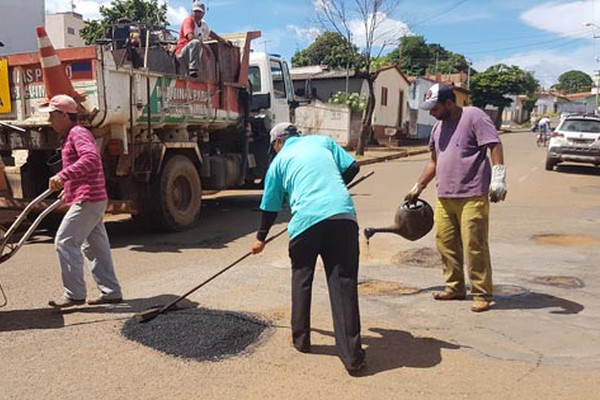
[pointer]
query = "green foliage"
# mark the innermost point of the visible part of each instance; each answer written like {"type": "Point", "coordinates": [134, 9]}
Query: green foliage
{"type": "Point", "coordinates": [415, 57]}
{"type": "Point", "coordinates": [144, 11]}
{"type": "Point", "coordinates": [499, 80]}
{"type": "Point", "coordinates": [380, 62]}
{"type": "Point", "coordinates": [574, 82]}
{"type": "Point", "coordinates": [354, 101]}
{"type": "Point", "coordinates": [329, 48]}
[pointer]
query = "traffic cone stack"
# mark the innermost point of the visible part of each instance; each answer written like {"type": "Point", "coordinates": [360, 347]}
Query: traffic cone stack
{"type": "Point", "coordinates": [55, 77]}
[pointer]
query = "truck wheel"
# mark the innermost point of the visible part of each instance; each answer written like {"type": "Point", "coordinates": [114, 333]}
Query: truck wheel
{"type": "Point", "coordinates": [179, 196]}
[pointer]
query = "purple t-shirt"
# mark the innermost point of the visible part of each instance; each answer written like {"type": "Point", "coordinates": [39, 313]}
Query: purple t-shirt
{"type": "Point", "coordinates": [463, 169]}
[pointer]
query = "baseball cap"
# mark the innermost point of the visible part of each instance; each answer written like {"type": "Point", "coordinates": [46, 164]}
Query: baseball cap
{"type": "Point", "coordinates": [438, 93]}
{"type": "Point", "coordinates": [283, 129]}
{"type": "Point", "coordinates": [197, 6]}
{"type": "Point", "coordinates": [62, 103]}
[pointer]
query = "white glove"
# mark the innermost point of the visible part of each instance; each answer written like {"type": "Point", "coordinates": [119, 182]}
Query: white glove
{"type": "Point", "coordinates": [414, 193]}
{"type": "Point", "coordinates": [498, 183]}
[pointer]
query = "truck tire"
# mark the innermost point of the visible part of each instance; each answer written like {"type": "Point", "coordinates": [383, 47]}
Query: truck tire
{"type": "Point", "coordinates": [179, 195]}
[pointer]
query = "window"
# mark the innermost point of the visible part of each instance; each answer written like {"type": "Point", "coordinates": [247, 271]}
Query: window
{"type": "Point", "coordinates": [71, 31]}
{"type": "Point", "coordinates": [384, 96]}
{"type": "Point", "coordinates": [254, 78]}
{"type": "Point", "coordinates": [278, 82]}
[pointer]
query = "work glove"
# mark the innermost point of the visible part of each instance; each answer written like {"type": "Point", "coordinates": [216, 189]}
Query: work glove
{"type": "Point", "coordinates": [414, 193]}
{"type": "Point", "coordinates": [498, 183]}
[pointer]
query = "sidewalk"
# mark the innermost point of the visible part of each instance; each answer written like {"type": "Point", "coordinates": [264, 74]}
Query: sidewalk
{"type": "Point", "coordinates": [376, 154]}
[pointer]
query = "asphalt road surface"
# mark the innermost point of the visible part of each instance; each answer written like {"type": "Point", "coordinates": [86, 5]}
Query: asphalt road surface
{"type": "Point", "coordinates": [540, 341]}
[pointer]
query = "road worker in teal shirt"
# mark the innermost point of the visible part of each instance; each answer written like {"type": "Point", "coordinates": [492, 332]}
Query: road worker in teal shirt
{"type": "Point", "coordinates": [310, 173]}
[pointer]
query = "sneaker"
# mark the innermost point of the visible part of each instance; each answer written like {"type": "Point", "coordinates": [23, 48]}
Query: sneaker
{"type": "Point", "coordinates": [65, 303]}
{"type": "Point", "coordinates": [448, 295]}
{"type": "Point", "coordinates": [105, 300]}
{"type": "Point", "coordinates": [481, 305]}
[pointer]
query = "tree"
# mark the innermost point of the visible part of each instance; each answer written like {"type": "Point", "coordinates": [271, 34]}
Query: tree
{"type": "Point", "coordinates": [329, 48]}
{"type": "Point", "coordinates": [144, 11]}
{"type": "Point", "coordinates": [491, 87]}
{"type": "Point", "coordinates": [340, 16]}
{"type": "Point", "coordinates": [574, 82]}
{"type": "Point", "coordinates": [415, 57]}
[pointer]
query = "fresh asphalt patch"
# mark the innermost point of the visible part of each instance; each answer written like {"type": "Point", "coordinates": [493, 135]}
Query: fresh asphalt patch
{"type": "Point", "coordinates": [198, 334]}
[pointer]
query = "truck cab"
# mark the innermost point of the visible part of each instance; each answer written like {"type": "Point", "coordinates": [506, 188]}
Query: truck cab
{"type": "Point", "coordinates": [272, 88]}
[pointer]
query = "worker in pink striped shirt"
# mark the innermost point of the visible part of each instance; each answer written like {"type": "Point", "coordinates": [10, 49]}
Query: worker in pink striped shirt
{"type": "Point", "coordinates": [82, 228]}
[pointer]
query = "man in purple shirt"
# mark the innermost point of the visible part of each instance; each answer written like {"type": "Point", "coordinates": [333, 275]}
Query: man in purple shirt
{"type": "Point", "coordinates": [464, 179]}
{"type": "Point", "coordinates": [82, 228]}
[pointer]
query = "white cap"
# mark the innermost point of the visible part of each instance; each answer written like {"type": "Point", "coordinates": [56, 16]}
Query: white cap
{"type": "Point", "coordinates": [438, 93]}
{"type": "Point", "coordinates": [197, 6]}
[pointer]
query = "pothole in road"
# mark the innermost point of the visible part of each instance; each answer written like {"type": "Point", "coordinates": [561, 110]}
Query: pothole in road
{"type": "Point", "coordinates": [567, 240]}
{"type": "Point", "coordinates": [384, 288]}
{"type": "Point", "coordinates": [509, 291]}
{"type": "Point", "coordinates": [565, 282]}
{"type": "Point", "coordinates": [424, 257]}
{"type": "Point", "coordinates": [198, 334]}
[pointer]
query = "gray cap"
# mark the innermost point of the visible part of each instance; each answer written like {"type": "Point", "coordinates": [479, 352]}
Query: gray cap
{"type": "Point", "coordinates": [282, 130]}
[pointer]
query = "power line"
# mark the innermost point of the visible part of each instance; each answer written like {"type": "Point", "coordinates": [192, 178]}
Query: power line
{"type": "Point", "coordinates": [440, 13]}
{"type": "Point", "coordinates": [570, 40]}
{"type": "Point", "coordinates": [513, 38]}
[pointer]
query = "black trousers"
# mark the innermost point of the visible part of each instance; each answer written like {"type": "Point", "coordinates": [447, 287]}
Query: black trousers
{"type": "Point", "coordinates": [336, 241]}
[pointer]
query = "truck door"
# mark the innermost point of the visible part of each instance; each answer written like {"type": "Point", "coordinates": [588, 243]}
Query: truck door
{"type": "Point", "coordinates": [280, 107]}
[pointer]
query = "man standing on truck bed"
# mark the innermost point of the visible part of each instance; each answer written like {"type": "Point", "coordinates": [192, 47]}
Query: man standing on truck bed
{"type": "Point", "coordinates": [82, 228]}
{"type": "Point", "coordinates": [193, 32]}
{"type": "Point", "coordinates": [309, 173]}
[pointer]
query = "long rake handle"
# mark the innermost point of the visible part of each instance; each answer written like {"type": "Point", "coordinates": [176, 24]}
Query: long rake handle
{"type": "Point", "coordinates": [153, 313]}
{"type": "Point", "coordinates": [233, 264]}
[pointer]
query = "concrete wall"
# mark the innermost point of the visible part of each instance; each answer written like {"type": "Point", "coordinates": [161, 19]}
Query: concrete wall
{"type": "Point", "coordinates": [18, 20]}
{"type": "Point", "coordinates": [63, 29]}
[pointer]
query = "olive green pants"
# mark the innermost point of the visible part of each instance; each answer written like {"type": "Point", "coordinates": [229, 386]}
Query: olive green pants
{"type": "Point", "coordinates": [462, 235]}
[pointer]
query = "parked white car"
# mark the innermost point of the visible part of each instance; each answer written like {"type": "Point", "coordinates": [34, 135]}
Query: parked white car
{"type": "Point", "coordinates": [575, 139]}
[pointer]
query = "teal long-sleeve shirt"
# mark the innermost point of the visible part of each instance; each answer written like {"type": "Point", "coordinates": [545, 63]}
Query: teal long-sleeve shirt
{"type": "Point", "coordinates": [308, 173]}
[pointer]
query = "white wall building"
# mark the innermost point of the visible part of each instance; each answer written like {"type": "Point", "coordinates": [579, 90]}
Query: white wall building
{"type": "Point", "coordinates": [18, 20]}
{"type": "Point", "coordinates": [63, 29]}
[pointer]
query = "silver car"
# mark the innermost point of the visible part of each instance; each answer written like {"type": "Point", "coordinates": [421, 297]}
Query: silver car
{"type": "Point", "coordinates": [575, 139]}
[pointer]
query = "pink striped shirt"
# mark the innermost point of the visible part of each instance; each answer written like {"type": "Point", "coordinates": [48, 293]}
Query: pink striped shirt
{"type": "Point", "coordinates": [82, 167]}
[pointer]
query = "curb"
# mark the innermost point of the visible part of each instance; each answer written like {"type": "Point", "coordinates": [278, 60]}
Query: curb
{"type": "Point", "coordinates": [400, 154]}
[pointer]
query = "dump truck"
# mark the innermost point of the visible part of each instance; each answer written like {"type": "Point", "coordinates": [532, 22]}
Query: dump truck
{"type": "Point", "coordinates": [165, 138]}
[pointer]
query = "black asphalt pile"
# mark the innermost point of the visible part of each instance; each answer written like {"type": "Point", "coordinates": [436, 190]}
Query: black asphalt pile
{"type": "Point", "coordinates": [199, 334]}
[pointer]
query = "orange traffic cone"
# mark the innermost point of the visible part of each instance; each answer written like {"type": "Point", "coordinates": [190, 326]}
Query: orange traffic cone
{"type": "Point", "coordinates": [55, 77]}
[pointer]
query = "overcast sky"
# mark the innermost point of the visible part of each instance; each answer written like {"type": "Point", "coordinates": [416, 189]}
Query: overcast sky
{"type": "Point", "coordinates": [545, 37]}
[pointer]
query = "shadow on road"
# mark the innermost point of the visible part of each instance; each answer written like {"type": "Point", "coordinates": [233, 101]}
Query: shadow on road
{"type": "Point", "coordinates": [392, 349]}
{"type": "Point", "coordinates": [578, 169]}
{"type": "Point", "coordinates": [533, 300]}
{"type": "Point", "coordinates": [526, 300]}
{"type": "Point", "coordinates": [222, 221]}
{"type": "Point", "coordinates": [49, 318]}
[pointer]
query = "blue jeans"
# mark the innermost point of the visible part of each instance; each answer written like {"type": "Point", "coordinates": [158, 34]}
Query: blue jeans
{"type": "Point", "coordinates": [82, 230]}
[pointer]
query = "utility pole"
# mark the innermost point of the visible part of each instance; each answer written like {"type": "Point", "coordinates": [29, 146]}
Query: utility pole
{"type": "Point", "coordinates": [469, 63]}
{"type": "Point", "coordinates": [597, 72]}
{"type": "Point", "coordinates": [597, 81]}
